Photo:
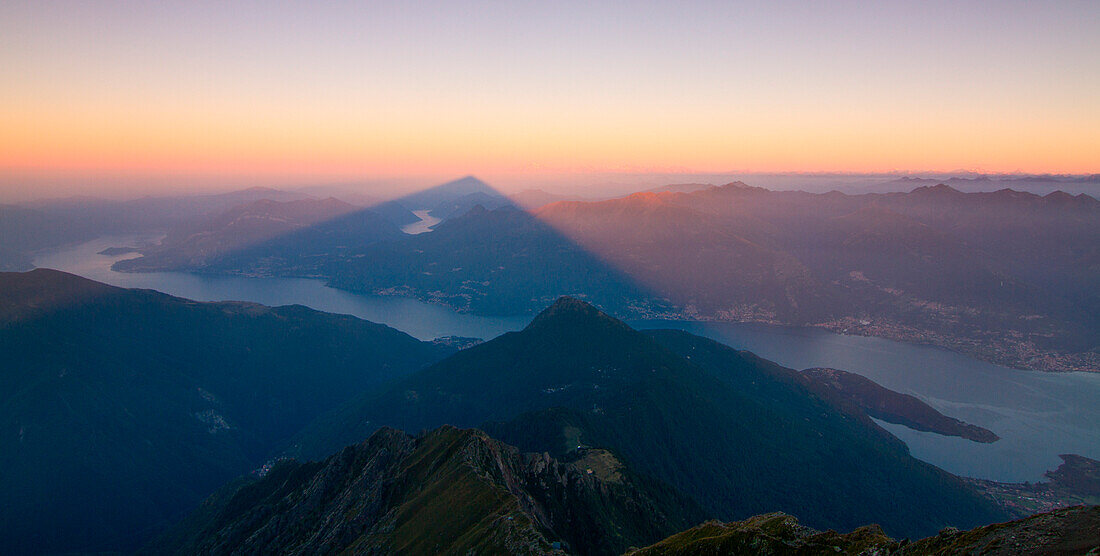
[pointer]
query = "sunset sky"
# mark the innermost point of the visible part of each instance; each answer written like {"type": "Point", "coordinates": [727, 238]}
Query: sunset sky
{"type": "Point", "coordinates": [95, 95]}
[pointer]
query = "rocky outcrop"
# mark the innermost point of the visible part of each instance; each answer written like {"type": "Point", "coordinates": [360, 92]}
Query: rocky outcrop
{"type": "Point", "coordinates": [1067, 531]}
{"type": "Point", "coordinates": [775, 533]}
{"type": "Point", "coordinates": [448, 491]}
{"type": "Point", "coordinates": [1061, 532]}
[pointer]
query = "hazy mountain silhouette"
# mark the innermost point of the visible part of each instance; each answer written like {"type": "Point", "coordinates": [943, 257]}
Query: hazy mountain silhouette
{"type": "Point", "coordinates": [294, 236]}
{"type": "Point", "coordinates": [1006, 276]}
{"type": "Point", "coordinates": [1037, 184]}
{"type": "Point", "coordinates": [457, 207]}
{"type": "Point", "coordinates": [530, 199]}
{"type": "Point", "coordinates": [51, 223]}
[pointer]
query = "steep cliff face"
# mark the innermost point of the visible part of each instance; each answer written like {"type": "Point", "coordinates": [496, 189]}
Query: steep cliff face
{"type": "Point", "coordinates": [449, 491]}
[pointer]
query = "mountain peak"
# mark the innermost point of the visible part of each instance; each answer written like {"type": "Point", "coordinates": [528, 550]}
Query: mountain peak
{"type": "Point", "coordinates": [741, 186]}
{"type": "Point", "coordinates": [941, 189]}
{"type": "Point", "coordinates": [432, 197]}
{"type": "Point", "coordinates": [43, 289]}
{"type": "Point", "coordinates": [467, 181]}
{"type": "Point", "coordinates": [571, 312]}
{"type": "Point", "coordinates": [569, 304]}
{"type": "Point", "coordinates": [570, 301]}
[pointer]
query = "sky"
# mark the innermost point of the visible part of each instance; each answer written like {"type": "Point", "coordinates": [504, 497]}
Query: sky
{"type": "Point", "coordinates": [98, 97]}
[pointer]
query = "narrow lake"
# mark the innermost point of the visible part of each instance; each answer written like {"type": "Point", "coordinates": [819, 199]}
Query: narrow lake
{"type": "Point", "coordinates": [423, 225]}
{"type": "Point", "coordinates": [1037, 415]}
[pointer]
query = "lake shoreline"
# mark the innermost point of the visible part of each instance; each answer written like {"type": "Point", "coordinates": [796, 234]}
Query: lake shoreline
{"type": "Point", "coordinates": [1019, 355]}
{"type": "Point", "coordinates": [1038, 415]}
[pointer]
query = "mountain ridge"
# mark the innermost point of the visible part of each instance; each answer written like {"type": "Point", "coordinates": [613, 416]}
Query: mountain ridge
{"type": "Point", "coordinates": [722, 427]}
{"type": "Point", "coordinates": [1004, 276]}
{"type": "Point", "coordinates": [121, 408]}
{"type": "Point", "coordinates": [447, 490]}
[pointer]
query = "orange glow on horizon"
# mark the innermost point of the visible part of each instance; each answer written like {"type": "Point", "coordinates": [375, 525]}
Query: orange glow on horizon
{"type": "Point", "coordinates": [178, 91]}
{"type": "Point", "coordinates": [46, 142]}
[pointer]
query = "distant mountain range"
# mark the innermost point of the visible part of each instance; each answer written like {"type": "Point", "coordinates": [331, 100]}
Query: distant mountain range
{"type": "Point", "coordinates": [1038, 184]}
{"type": "Point", "coordinates": [31, 227]}
{"type": "Point", "coordinates": [39, 225]}
{"type": "Point", "coordinates": [453, 208]}
{"type": "Point", "coordinates": [1006, 276]}
{"type": "Point", "coordinates": [203, 242]}
{"type": "Point", "coordinates": [122, 410]}
{"type": "Point", "coordinates": [680, 188]}
{"type": "Point", "coordinates": [296, 237]}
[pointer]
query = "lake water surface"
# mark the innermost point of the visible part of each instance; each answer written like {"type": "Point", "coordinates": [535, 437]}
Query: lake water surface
{"type": "Point", "coordinates": [1037, 415]}
{"type": "Point", "coordinates": [423, 225]}
{"type": "Point", "coordinates": [422, 320]}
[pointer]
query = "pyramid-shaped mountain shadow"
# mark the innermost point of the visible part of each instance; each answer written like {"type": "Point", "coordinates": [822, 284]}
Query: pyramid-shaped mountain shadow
{"type": "Point", "coordinates": [495, 259]}
{"type": "Point", "coordinates": [946, 266]}
{"type": "Point", "coordinates": [738, 434]}
{"type": "Point", "coordinates": [455, 198]}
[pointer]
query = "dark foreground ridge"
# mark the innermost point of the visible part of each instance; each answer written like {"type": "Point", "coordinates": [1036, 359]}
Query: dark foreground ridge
{"type": "Point", "coordinates": [455, 491]}
{"type": "Point", "coordinates": [448, 491]}
{"type": "Point", "coordinates": [1069, 531]}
